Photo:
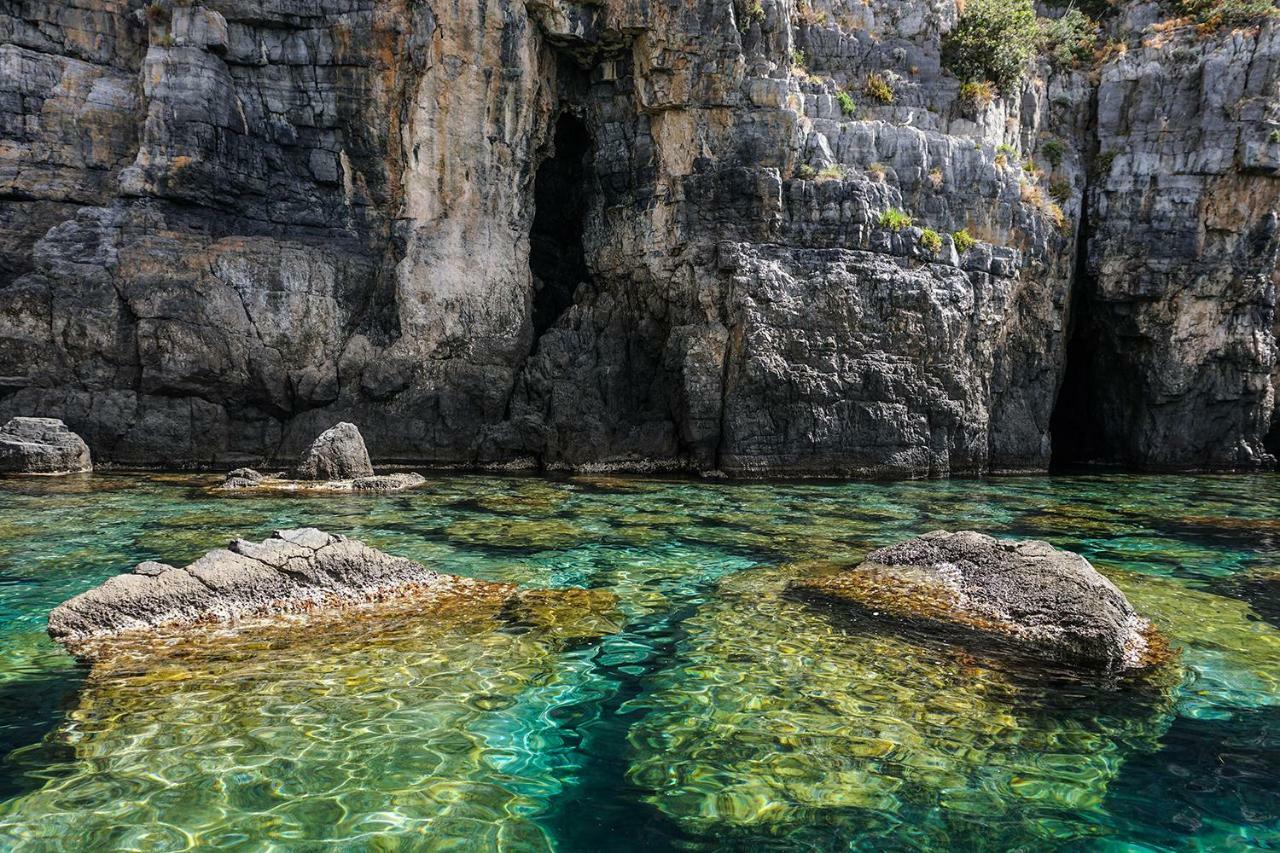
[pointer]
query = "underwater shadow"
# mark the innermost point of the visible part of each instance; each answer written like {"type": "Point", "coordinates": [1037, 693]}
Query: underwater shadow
{"type": "Point", "coordinates": [31, 708]}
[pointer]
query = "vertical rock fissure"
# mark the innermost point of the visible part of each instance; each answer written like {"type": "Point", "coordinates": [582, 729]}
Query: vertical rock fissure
{"type": "Point", "coordinates": [1075, 429]}
{"type": "Point", "coordinates": [557, 256]}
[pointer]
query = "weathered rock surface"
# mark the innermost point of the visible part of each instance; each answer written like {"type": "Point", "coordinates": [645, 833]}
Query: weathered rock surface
{"type": "Point", "coordinates": [244, 479]}
{"type": "Point", "coordinates": [1049, 602]}
{"type": "Point", "coordinates": [293, 571]}
{"type": "Point", "coordinates": [42, 446]}
{"type": "Point", "coordinates": [337, 454]}
{"type": "Point", "coordinates": [618, 235]}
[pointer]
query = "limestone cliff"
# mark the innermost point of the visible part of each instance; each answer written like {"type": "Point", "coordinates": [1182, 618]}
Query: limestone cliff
{"type": "Point", "coordinates": [633, 235]}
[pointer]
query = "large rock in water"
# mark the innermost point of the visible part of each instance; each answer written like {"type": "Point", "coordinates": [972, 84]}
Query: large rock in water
{"type": "Point", "coordinates": [42, 446]}
{"type": "Point", "coordinates": [1049, 602]}
{"type": "Point", "coordinates": [338, 454]}
{"type": "Point", "coordinates": [293, 571]}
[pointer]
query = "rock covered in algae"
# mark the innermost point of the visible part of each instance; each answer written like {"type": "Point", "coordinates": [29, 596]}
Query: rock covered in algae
{"type": "Point", "coordinates": [337, 454]}
{"type": "Point", "coordinates": [435, 720]}
{"type": "Point", "coordinates": [773, 716]}
{"type": "Point", "coordinates": [293, 571]}
{"type": "Point", "coordinates": [42, 446]}
{"type": "Point", "coordinates": [1050, 602]}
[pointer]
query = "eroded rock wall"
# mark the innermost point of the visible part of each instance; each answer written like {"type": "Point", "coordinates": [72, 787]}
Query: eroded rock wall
{"type": "Point", "coordinates": [225, 227]}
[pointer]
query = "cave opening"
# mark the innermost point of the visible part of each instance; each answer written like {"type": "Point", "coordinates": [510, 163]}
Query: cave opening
{"type": "Point", "coordinates": [1075, 426]}
{"type": "Point", "coordinates": [561, 193]}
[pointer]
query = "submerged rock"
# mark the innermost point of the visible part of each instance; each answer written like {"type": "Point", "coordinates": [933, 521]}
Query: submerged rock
{"type": "Point", "coordinates": [292, 572]}
{"type": "Point", "coordinates": [337, 454]}
{"type": "Point", "coordinates": [1050, 602]}
{"type": "Point", "coordinates": [42, 446]}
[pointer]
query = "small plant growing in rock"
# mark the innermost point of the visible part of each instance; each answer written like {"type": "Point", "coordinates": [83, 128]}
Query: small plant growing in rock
{"type": "Point", "coordinates": [877, 171]}
{"type": "Point", "coordinates": [977, 95]}
{"type": "Point", "coordinates": [1053, 151]}
{"type": "Point", "coordinates": [157, 13]}
{"type": "Point", "coordinates": [1007, 150]}
{"type": "Point", "coordinates": [806, 172]}
{"type": "Point", "coordinates": [749, 12]}
{"type": "Point", "coordinates": [935, 178]}
{"type": "Point", "coordinates": [993, 40]}
{"type": "Point", "coordinates": [964, 240]}
{"type": "Point", "coordinates": [797, 58]}
{"type": "Point", "coordinates": [895, 219]}
{"type": "Point", "coordinates": [847, 105]}
{"type": "Point", "coordinates": [878, 89]}
{"type": "Point", "coordinates": [810, 16]}
{"type": "Point", "coordinates": [931, 240]}
{"type": "Point", "coordinates": [1102, 165]}
{"type": "Point", "coordinates": [834, 172]}
{"type": "Point", "coordinates": [165, 40]}
{"type": "Point", "coordinates": [1274, 138]}
{"type": "Point", "coordinates": [1033, 195]}
{"type": "Point", "coordinates": [1060, 190]}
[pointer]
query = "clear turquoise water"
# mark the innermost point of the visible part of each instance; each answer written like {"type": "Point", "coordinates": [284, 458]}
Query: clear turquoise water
{"type": "Point", "coordinates": [714, 713]}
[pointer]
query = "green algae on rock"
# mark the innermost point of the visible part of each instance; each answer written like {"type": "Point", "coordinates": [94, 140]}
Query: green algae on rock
{"type": "Point", "coordinates": [775, 717]}
{"type": "Point", "coordinates": [1050, 603]}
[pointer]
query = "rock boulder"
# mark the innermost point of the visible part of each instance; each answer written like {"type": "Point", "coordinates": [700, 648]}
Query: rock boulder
{"type": "Point", "coordinates": [293, 571]}
{"type": "Point", "coordinates": [1048, 602]}
{"type": "Point", "coordinates": [338, 454]}
{"type": "Point", "coordinates": [42, 446]}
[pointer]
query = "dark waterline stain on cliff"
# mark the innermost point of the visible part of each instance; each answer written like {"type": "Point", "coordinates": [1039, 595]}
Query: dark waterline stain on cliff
{"type": "Point", "coordinates": [556, 254]}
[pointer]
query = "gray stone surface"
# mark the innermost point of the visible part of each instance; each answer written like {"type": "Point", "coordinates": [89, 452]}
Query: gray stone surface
{"type": "Point", "coordinates": [293, 571]}
{"type": "Point", "coordinates": [42, 446]}
{"type": "Point", "coordinates": [1050, 602]}
{"type": "Point", "coordinates": [337, 454]}
{"type": "Point", "coordinates": [228, 225]}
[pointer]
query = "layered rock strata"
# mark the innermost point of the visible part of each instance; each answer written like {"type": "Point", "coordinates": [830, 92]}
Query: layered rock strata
{"type": "Point", "coordinates": [633, 236]}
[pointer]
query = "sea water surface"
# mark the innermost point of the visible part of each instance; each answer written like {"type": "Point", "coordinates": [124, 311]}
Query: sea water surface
{"type": "Point", "coordinates": [706, 710]}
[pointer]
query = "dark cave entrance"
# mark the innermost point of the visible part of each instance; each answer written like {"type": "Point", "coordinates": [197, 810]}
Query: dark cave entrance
{"type": "Point", "coordinates": [1075, 427]}
{"type": "Point", "coordinates": [561, 194]}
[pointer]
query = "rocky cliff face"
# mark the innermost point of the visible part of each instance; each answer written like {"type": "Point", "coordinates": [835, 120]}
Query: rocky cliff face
{"type": "Point", "coordinates": [631, 235]}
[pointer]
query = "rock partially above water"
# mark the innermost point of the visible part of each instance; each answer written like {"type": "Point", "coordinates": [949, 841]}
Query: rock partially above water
{"type": "Point", "coordinates": [42, 446]}
{"type": "Point", "coordinates": [294, 571]}
{"type": "Point", "coordinates": [249, 479]}
{"type": "Point", "coordinates": [338, 454]}
{"type": "Point", "coordinates": [1052, 603]}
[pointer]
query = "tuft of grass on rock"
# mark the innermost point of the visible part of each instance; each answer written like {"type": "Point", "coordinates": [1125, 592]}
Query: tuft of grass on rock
{"type": "Point", "coordinates": [895, 219]}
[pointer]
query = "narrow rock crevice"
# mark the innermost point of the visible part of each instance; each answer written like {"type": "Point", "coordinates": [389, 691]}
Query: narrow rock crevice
{"type": "Point", "coordinates": [557, 256]}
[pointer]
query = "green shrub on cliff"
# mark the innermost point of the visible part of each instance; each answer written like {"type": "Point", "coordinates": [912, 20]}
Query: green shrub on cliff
{"type": "Point", "coordinates": [847, 106]}
{"type": "Point", "coordinates": [1069, 40]}
{"type": "Point", "coordinates": [1212, 14]}
{"type": "Point", "coordinates": [993, 40]}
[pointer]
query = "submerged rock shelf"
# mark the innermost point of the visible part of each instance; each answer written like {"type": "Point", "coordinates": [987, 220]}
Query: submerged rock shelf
{"type": "Point", "coordinates": [654, 677]}
{"type": "Point", "coordinates": [294, 571]}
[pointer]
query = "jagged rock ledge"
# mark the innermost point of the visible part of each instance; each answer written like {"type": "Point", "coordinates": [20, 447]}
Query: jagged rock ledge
{"type": "Point", "coordinates": [42, 446]}
{"type": "Point", "coordinates": [292, 572]}
{"type": "Point", "coordinates": [1052, 604]}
